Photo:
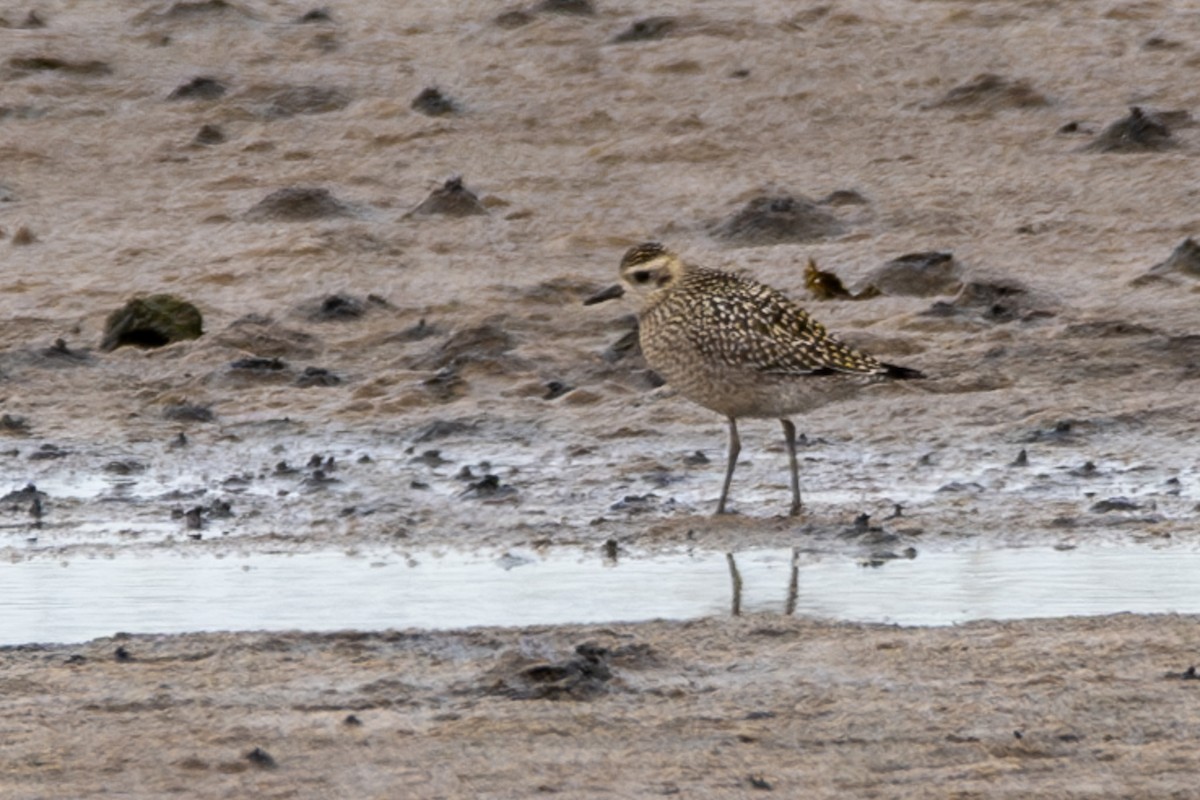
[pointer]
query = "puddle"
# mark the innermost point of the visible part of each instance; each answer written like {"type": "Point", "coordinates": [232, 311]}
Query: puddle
{"type": "Point", "coordinates": [77, 600]}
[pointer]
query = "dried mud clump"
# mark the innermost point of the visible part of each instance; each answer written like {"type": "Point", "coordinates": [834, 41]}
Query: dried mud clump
{"type": "Point", "coordinates": [1140, 132]}
{"type": "Point", "coordinates": [315, 15]}
{"type": "Point", "coordinates": [433, 103]}
{"type": "Point", "coordinates": [152, 321]}
{"type": "Point", "coordinates": [478, 344]}
{"type": "Point", "coordinates": [188, 412]}
{"type": "Point", "coordinates": [918, 275]}
{"type": "Point", "coordinates": [990, 92]}
{"type": "Point", "coordinates": [776, 219]}
{"type": "Point", "coordinates": [451, 199]}
{"type": "Point", "coordinates": [994, 301]}
{"type": "Point", "coordinates": [581, 677]}
{"type": "Point", "coordinates": [199, 88]}
{"type": "Point", "coordinates": [647, 30]}
{"type": "Point", "coordinates": [340, 307]}
{"type": "Point", "coordinates": [297, 204]}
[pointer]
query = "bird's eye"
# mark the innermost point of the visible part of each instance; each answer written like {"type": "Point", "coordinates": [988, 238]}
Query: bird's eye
{"type": "Point", "coordinates": [641, 276]}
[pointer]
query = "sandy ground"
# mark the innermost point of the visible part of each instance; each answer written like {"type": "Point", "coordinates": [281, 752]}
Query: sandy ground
{"type": "Point", "coordinates": [439, 385]}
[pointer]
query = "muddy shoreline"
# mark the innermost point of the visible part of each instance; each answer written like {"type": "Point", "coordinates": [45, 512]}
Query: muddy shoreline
{"type": "Point", "coordinates": [389, 219]}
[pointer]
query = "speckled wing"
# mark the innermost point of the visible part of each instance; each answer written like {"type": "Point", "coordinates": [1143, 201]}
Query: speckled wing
{"type": "Point", "coordinates": [747, 324]}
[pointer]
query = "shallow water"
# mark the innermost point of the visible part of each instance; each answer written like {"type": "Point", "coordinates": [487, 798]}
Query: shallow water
{"type": "Point", "coordinates": [79, 599]}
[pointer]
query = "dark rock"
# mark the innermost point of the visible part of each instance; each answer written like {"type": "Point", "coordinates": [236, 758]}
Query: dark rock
{"type": "Point", "coordinates": [918, 275]}
{"type": "Point", "coordinates": [124, 467]}
{"type": "Point", "coordinates": [297, 204]}
{"type": "Point", "coordinates": [199, 88]}
{"type": "Point", "coordinates": [646, 30]}
{"type": "Point", "coordinates": [1140, 132]}
{"type": "Point", "coordinates": [990, 91]}
{"type": "Point", "coordinates": [152, 321]}
{"type": "Point", "coordinates": [452, 199]}
{"type": "Point", "coordinates": [261, 759]}
{"type": "Point", "coordinates": [776, 219]}
{"type": "Point", "coordinates": [433, 103]}
{"type": "Point", "coordinates": [990, 301]}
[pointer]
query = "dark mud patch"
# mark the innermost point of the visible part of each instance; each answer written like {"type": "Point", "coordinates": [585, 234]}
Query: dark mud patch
{"type": "Point", "coordinates": [152, 321]}
{"type": "Point", "coordinates": [991, 92]}
{"type": "Point", "coordinates": [772, 219]}
{"type": "Point", "coordinates": [1140, 132]}
{"type": "Point", "coordinates": [451, 199]}
{"type": "Point", "coordinates": [298, 204]}
{"type": "Point", "coordinates": [277, 102]}
{"type": "Point", "coordinates": [583, 8]}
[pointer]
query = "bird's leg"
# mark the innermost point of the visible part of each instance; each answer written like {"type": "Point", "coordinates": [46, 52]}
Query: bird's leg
{"type": "Point", "coordinates": [789, 435]}
{"type": "Point", "coordinates": [735, 447]}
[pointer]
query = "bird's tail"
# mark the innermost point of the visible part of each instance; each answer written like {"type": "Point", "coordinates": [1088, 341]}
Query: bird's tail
{"type": "Point", "coordinates": [902, 373]}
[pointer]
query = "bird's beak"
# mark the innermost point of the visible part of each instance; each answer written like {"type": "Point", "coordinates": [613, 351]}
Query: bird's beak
{"type": "Point", "coordinates": [611, 293]}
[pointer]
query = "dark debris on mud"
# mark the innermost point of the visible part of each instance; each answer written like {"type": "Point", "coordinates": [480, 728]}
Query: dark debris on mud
{"type": "Point", "coordinates": [989, 91]}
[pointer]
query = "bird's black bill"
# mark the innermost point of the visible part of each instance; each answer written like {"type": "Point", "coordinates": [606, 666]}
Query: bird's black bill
{"type": "Point", "coordinates": [611, 293]}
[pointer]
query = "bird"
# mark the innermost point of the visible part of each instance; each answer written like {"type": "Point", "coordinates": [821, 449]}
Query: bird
{"type": "Point", "coordinates": [739, 347]}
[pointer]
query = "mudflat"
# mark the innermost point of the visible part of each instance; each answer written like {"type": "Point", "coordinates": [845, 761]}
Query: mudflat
{"type": "Point", "coordinates": [389, 216]}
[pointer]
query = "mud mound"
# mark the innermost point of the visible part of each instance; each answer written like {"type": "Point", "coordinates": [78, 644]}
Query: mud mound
{"type": "Point", "coordinates": [1140, 132]}
{"type": "Point", "coordinates": [289, 101]}
{"type": "Point", "coordinates": [918, 275]}
{"type": "Point", "coordinates": [297, 204]}
{"type": "Point", "coordinates": [990, 92]}
{"type": "Point", "coordinates": [776, 219]}
{"type": "Point", "coordinates": [451, 199]}
{"type": "Point", "coordinates": [1184, 259]}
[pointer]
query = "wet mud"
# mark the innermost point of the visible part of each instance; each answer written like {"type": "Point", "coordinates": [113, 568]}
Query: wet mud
{"type": "Point", "coordinates": [397, 358]}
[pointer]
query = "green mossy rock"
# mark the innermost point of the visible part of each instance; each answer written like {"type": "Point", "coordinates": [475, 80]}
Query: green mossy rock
{"type": "Point", "coordinates": [153, 321]}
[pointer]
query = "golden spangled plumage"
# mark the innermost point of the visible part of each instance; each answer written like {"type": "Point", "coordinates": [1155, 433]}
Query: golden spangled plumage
{"type": "Point", "coordinates": [740, 348]}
